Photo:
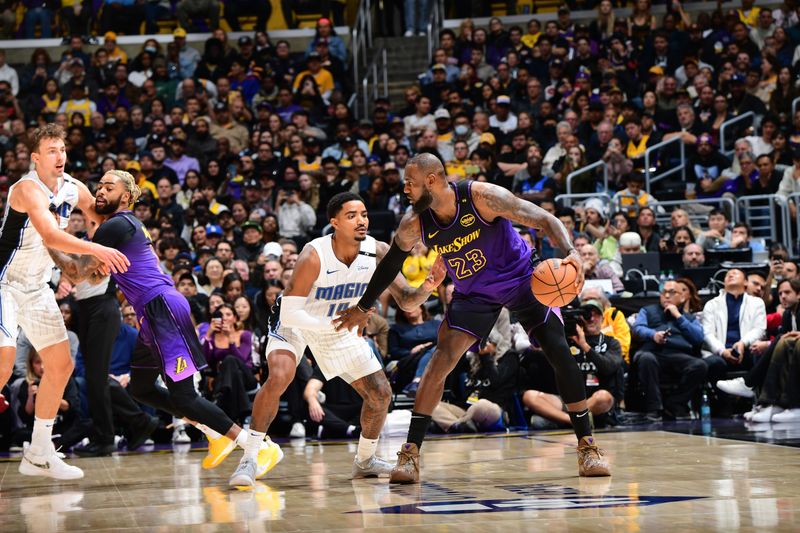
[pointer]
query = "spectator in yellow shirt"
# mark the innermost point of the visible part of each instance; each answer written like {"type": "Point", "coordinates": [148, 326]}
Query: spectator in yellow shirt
{"type": "Point", "coordinates": [614, 323]}
{"type": "Point", "coordinates": [322, 76]}
{"type": "Point", "coordinates": [115, 53]}
{"type": "Point", "coordinates": [458, 165]}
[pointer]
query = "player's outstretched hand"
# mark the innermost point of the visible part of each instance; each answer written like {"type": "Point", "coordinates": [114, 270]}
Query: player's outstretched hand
{"type": "Point", "coordinates": [436, 275]}
{"type": "Point", "coordinates": [114, 259]}
{"type": "Point", "coordinates": [575, 259]}
{"type": "Point", "coordinates": [352, 317]}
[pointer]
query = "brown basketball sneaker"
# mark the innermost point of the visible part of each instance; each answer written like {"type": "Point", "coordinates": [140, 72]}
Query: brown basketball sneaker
{"type": "Point", "coordinates": [591, 462]}
{"type": "Point", "coordinates": [407, 468]}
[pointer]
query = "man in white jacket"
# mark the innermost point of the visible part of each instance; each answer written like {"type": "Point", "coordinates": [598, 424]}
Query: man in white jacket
{"type": "Point", "coordinates": [731, 323]}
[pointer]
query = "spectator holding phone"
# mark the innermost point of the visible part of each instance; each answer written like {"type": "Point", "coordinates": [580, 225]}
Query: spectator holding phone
{"type": "Point", "coordinates": [295, 217]}
{"type": "Point", "coordinates": [228, 348]}
{"type": "Point", "coordinates": [732, 322]}
{"type": "Point", "coordinates": [671, 340]}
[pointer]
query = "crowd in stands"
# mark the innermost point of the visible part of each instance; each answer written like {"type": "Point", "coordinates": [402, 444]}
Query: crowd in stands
{"type": "Point", "coordinates": [239, 147]}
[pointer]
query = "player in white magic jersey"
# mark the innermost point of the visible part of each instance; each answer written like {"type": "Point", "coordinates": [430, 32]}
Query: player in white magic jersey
{"type": "Point", "coordinates": [330, 275]}
{"type": "Point", "coordinates": [37, 210]}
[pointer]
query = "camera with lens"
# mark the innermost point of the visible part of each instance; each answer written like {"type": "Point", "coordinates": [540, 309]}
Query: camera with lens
{"type": "Point", "coordinates": [574, 316]}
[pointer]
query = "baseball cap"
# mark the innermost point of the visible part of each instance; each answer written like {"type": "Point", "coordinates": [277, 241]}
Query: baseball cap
{"type": "Point", "coordinates": [78, 165]}
{"type": "Point", "coordinates": [251, 224]}
{"type": "Point", "coordinates": [252, 184]}
{"type": "Point", "coordinates": [557, 63]}
{"type": "Point", "coordinates": [220, 106]}
{"type": "Point", "coordinates": [214, 229]}
{"type": "Point", "coordinates": [656, 70]}
{"type": "Point", "coordinates": [272, 249]}
{"type": "Point", "coordinates": [102, 136]}
{"type": "Point", "coordinates": [185, 256]}
{"type": "Point", "coordinates": [439, 66]}
{"type": "Point", "coordinates": [110, 36]}
{"type": "Point", "coordinates": [503, 100]}
{"type": "Point", "coordinates": [315, 56]}
{"type": "Point", "coordinates": [347, 140]}
{"type": "Point", "coordinates": [487, 138]}
{"type": "Point", "coordinates": [179, 33]}
{"type": "Point", "coordinates": [133, 165]}
{"type": "Point", "coordinates": [322, 41]}
{"type": "Point", "coordinates": [441, 113]}
{"type": "Point", "coordinates": [245, 40]}
{"type": "Point", "coordinates": [595, 304]}
{"type": "Point", "coordinates": [737, 78]}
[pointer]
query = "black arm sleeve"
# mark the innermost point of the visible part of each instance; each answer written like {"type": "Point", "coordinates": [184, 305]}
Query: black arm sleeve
{"type": "Point", "coordinates": [384, 275]}
{"type": "Point", "coordinates": [114, 232]}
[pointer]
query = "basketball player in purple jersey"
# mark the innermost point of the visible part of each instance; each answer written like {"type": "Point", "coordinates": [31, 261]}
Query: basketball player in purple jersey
{"type": "Point", "coordinates": [469, 224]}
{"type": "Point", "coordinates": [172, 347]}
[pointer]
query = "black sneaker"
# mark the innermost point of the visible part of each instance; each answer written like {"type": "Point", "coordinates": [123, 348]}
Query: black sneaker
{"type": "Point", "coordinates": [137, 438]}
{"type": "Point", "coordinates": [94, 449]}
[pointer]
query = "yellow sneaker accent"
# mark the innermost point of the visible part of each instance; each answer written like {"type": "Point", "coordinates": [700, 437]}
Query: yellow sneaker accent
{"type": "Point", "coordinates": [218, 450]}
{"type": "Point", "coordinates": [268, 457]}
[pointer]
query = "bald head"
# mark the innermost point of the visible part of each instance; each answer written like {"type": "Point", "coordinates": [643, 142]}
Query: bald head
{"type": "Point", "coordinates": [693, 256]}
{"type": "Point", "coordinates": [428, 164]}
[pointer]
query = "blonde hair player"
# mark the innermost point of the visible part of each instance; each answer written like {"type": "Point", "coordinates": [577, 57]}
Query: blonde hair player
{"type": "Point", "coordinates": [37, 212]}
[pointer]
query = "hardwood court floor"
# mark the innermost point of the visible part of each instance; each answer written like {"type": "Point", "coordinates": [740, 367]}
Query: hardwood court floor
{"type": "Point", "coordinates": [509, 483]}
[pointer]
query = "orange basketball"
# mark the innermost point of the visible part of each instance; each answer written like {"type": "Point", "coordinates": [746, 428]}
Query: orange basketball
{"type": "Point", "coordinates": [553, 284]}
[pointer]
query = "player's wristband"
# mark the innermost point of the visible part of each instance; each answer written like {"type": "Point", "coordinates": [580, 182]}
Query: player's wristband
{"type": "Point", "coordinates": [384, 275]}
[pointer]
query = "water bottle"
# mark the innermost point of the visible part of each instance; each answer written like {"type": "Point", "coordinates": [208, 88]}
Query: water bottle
{"type": "Point", "coordinates": [705, 408]}
{"type": "Point", "coordinates": [662, 280]}
{"type": "Point", "coordinates": [670, 276]}
{"type": "Point", "coordinates": [705, 413]}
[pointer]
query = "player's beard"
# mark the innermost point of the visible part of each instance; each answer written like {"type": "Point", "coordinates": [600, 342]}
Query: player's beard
{"type": "Point", "coordinates": [110, 206]}
{"type": "Point", "coordinates": [423, 203]}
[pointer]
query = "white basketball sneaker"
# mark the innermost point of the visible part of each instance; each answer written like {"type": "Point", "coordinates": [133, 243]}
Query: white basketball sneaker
{"type": "Point", "coordinates": [736, 387]}
{"type": "Point", "coordinates": [48, 464]}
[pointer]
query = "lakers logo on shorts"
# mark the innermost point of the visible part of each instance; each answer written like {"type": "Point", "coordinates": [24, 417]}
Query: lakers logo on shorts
{"type": "Point", "coordinates": [467, 220]}
{"type": "Point", "coordinates": [180, 365]}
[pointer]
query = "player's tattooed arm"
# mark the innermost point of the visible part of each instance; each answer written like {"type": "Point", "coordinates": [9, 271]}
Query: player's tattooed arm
{"type": "Point", "coordinates": [406, 296]}
{"type": "Point", "coordinates": [408, 232]}
{"type": "Point", "coordinates": [76, 267]}
{"type": "Point", "coordinates": [493, 201]}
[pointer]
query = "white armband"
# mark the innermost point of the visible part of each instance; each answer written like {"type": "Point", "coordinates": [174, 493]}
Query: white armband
{"type": "Point", "coordinates": [294, 315]}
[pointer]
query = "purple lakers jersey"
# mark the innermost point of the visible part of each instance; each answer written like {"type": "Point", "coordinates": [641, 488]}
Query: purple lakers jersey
{"type": "Point", "coordinates": [484, 259]}
{"type": "Point", "coordinates": [144, 279]}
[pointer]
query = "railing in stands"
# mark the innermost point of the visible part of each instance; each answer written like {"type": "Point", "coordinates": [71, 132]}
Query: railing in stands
{"type": "Point", "coordinates": [565, 200]}
{"type": "Point", "coordinates": [650, 171]}
{"type": "Point", "coordinates": [794, 240]}
{"type": "Point", "coordinates": [374, 84]}
{"type": "Point", "coordinates": [588, 168]}
{"type": "Point", "coordinates": [697, 218]}
{"type": "Point", "coordinates": [723, 138]}
{"type": "Point", "coordinates": [361, 40]}
{"type": "Point", "coordinates": [795, 103]}
{"type": "Point", "coordinates": [435, 25]}
{"type": "Point", "coordinates": [762, 216]}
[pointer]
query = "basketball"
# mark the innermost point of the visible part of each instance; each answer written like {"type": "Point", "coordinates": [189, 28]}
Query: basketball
{"type": "Point", "coordinates": [553, 284]}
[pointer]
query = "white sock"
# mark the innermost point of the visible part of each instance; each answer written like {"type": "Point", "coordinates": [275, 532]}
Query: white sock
{"type": "Point", "coordinates": [252, 443]}
{"type": "Point", "coordinates": [366, 448]}
{"type": "Point", "coordinates": [208, 432]}
{"type": "Point", "coordinates": [41, 440]}
{"type": "Point", "coordinates": [178, 423]}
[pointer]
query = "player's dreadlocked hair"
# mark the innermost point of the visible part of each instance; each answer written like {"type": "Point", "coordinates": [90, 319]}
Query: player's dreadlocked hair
{"type": "Point", "coordinates": [130, 184]}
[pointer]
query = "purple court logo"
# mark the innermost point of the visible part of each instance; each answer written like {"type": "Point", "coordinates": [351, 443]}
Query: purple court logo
{"type": "Point", "coordinates": [539, 497]}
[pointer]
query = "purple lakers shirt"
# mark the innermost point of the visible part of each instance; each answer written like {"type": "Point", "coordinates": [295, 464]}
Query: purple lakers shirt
{"type": "Point", "coordinates": [144, 279]}
{"type": "Point", "coordinates": [486, 260]}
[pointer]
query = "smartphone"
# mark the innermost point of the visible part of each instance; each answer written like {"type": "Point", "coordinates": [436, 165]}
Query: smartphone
{"type": "Point", "coordinates": [668, 332]}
